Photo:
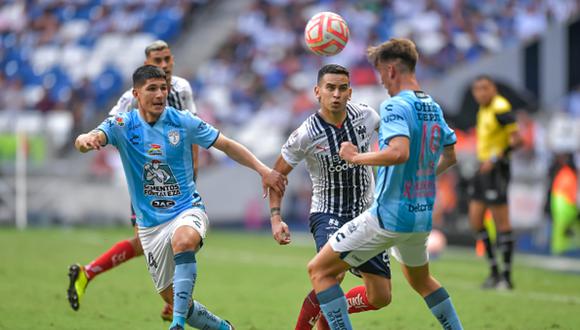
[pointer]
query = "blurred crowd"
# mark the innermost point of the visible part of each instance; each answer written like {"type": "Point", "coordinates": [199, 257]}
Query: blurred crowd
{"type": "Point", "coordinates": [264, 69]}
{"type": "Point", "coordinates": [78, 55]}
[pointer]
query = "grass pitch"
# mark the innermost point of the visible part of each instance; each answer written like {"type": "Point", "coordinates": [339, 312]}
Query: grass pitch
{"type": "Point", "coordinates": [256, 284]}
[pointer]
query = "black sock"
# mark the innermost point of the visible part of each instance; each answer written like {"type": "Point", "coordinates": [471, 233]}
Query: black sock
{"type": "Point", "coordinates": [505, 242]}
{"type": "Point", "coordinates": [489, 251]}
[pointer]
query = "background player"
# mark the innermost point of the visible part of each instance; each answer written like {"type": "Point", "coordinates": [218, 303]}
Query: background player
{"type": "Point", "coordinates": [415, 145]}
{"type": "Point", "coordinates": [497, 136]}
{"type": "Point", "coordinates": [180, 97]}
{"type": "Point", "coordinates": [171, 219]}
{"type": "Point", "coordinates": [341, 191]}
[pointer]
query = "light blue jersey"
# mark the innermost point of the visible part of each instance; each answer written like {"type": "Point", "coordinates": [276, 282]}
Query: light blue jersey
{"type": "Point", "coordinates": [157, 160]}
{"type": "Point", "coordinates": [405, 193]}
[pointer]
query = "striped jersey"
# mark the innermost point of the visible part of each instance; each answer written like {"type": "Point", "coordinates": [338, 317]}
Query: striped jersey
{"type": "Point", "coordinates": [338, 188]}
{"type": "Point", "coordinates": [180, 97]}
{"type": "Point", "coordinates": [157, 160]}
{"type": "Point", "coordinates": [405, 193]}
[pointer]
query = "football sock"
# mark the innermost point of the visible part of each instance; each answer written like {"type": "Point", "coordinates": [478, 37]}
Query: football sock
{"type": "Point", "coordinates": [441, 306]}
{"type": "Point", "coordinates": [309, 312]}
{"type": "Point", "coordinates": [199, 317]}
{"type": "Point", "coordinates": [489, 252]}
{"type": "Point", "coordinates": [358, 301]}
{"type": "Point", "coordinates": [183, 283]}
{"type": "Point", "coordinates": [505, 242]}
{"type": "Point", "coordinates": [116, 255]}
{"type": "Point", "coordinates": [335, 308]}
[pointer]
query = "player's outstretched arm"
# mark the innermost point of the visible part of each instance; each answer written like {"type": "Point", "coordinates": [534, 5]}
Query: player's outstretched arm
{"type": "Point", "coordinates": [396, 153]}
{"type": "Point", "coordinates": [236, 151]}
{"type": "Point", "coordinates": [447, 159]}
{"type": "Point", "coordinates": [95, 139]}
{"type": "Point", "coordinates": [280, 230]}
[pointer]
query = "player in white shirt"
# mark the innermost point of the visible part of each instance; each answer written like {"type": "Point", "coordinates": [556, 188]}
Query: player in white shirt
{"type": "Point", "coordinates": [180, 97]}
{"type": "Point", "coordinates": [340, 191]}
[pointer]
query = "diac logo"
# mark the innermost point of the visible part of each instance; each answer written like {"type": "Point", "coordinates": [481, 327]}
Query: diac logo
{"type": "Point", "coordinates": [163, 203]}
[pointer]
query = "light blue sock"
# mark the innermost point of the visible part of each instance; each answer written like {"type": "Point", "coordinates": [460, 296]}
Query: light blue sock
{"type": "Point", "coordinates": [441, 306]}
{"type": "Point", "coordinates": [335, 308]}
{"type": "Point", "coordinates": [183, 283]}
{"type": "Point", "coordinates": [199, 317]}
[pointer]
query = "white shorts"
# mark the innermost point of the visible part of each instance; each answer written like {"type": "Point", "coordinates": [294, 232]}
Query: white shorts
{"type": "Point", "coordinates": [362, 238]}
{"type": "Point", "coordinates": [156, 242]}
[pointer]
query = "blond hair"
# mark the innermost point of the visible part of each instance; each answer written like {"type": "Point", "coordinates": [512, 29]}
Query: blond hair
{"type": "Point", "coordinates": [155, 46]}
{"type": "Point", "coordinates": [401, 50]}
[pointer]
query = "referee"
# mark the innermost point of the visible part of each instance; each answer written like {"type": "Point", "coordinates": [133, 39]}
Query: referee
{"type": "Point", "coordinates": [497, 136]}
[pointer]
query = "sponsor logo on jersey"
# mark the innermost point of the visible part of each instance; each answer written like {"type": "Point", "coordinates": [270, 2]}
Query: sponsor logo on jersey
{"type": "Point", "coordinates": [174, 137]}
{"type": "Point", "coordinates": [163, 203]}
{"type": "Point", "coordinates": [420, 207]}
{"type": "Point", "coordinates": [159, 180]}
{"type": "Point", "coordinates": [154, 150]}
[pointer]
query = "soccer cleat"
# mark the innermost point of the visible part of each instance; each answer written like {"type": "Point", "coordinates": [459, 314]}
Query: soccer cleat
{"type": "Point", "coordinates": [176, 327]}
{"type": "Point", "coordinates": [490, 282]}
{"type": "Point", "coordinates": [230, 324]}
{"type": "Point", "coordinates": [505, 284]}
{"type": "Point", "coordinates": [167, 313]}
{"type": "Point", "coordinates": [77, 285]}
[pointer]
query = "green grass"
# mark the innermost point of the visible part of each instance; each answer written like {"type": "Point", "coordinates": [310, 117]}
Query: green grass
{"type": "Point", "coordinates": [256, 284]}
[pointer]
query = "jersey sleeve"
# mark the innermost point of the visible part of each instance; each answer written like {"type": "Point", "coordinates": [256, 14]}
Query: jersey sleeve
{"type": "Point", "coordinates": [187, 99]}
{"type": "Point", "coordinates": [109, 125]}
{"type": "Point", "coordinates": [449, 137]}
{"type": "Point", "coordinates": [294, 151]}
{"type": "Point", "coordinates": [394, 120]}
{"type": "Point", "coordinates": [505, 116]}
{"type": "Point", "coordinates": [203, 134]}
{"type": "Point", "coordinates": [126, 103]}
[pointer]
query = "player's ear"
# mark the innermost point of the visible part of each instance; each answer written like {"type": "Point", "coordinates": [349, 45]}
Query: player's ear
{"type": "Point", "coordinates": [134, 92]}
{"type": "Point", "coordinates": [317, 92]}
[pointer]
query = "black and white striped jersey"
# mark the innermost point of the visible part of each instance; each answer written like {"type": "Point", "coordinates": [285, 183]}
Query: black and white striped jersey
{"type": "Point", "coordinates": [180, 97]}
{"type": "Point", "coordinates": [338, 187]}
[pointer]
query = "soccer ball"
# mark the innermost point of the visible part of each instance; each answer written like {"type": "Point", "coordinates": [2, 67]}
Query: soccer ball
{"type": "Point", "coordinates": [326, 34]}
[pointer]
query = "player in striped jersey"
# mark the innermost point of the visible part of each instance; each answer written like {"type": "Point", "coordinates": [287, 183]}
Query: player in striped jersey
{"type": "Point", "coordinates": [180, 97]}
{"type": "Point", "coordinates": [415, 145]}
{"type": "Point", "coordinates": [341, 191]}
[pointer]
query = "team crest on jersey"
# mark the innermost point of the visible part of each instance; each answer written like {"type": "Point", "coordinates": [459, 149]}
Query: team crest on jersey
{"type": "Point", "coordinates": [120, 121]}
{"type": "Point", "coordinates": [173, 137]}
{"type": "Point", "coordinates": [159, 180]}
{"type": "Point", "coordinates": [155, 150]}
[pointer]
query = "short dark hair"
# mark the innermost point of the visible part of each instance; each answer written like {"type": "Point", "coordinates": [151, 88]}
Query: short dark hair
{"type": "Point", "coordinates": [145, 72]}
{"type": "Point", "coordinates": [484, 77]}
{"type": "Point", "coordinates": [400, 49]}
{"type": "Point", "coordinates": [332, 68]}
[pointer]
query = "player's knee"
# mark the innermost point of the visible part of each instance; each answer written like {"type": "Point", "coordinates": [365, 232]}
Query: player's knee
{"type": "Point", "coordinates": [314, 270]}
{"type": "Point", "coordinates": [379, 299]}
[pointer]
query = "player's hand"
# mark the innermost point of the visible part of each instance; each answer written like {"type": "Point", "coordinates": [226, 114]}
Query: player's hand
{"type": "Point", "coordinates": [280, 231]}
{"type": "Point", "coordinates": [486, 166]}
{"type": "Point", "coordinates": [348, 151]}
{"type": "Point", "coordinates": [89, 141]}
{"type": "Point", "coordinates": [274, 180]}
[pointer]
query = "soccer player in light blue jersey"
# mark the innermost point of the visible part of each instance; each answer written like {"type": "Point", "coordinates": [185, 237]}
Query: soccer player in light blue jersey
{"type": "Point", "coordinates": [155, 142]}
{"type": "Point", "coordinates": [415, 146]}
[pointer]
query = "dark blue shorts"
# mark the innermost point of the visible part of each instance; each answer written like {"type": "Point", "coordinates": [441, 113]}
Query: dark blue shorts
{"type": "Point", "coordinates": [323, 225]}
